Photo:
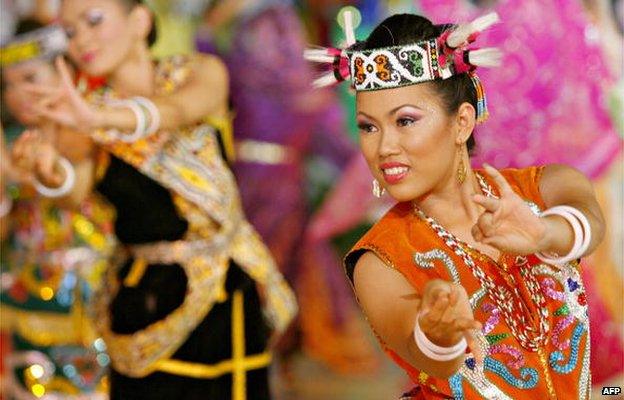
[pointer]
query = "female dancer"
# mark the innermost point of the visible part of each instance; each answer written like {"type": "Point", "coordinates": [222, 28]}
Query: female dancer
{"type": "Point", "coordinates": [181, 318]}
{"type": "Point", "coordinates": [56, 255]}
{"type": "Point", "coordinates": [461, 280]}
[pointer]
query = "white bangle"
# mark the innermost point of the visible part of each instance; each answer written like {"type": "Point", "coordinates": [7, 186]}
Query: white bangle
{"type": "Point", "coordinates": [586, 228]}
{"type": "Point", "coordinates": [582, 234]}
{"type": "Point", "coordinates": [433, 351]}
{"type": "Point", "coordinates": [65, 188]}
{"type": "Point", "coordinates": [5, 205]}
{"type": "Point", "coordinates": [141, 123]}
{"type": "Point", "coordinates": [153, 112]}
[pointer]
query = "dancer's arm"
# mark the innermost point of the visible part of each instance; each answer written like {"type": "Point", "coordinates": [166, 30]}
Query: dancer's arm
{"type": "Point", "coordinates": [204, 94]}
{"type": "Point", "coordinates": [39, 159]}
{"type": "Point", "coordinates": [509, 224]}
{"type": "Point", "coordinates": [391, 306]}
{"type": "Point", "coordinates": [563, 185]}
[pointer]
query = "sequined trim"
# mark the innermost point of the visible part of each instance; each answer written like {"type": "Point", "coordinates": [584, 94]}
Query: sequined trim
{"type": "Point", "coordinates": [474, 374]}
{"type": "Point", "coordinates": [476, 298]}
{"type": "Point", "coordinates": [561, 325]}
{"type": "Point", "coordinates": [585, 381]}
{"type": "Point", "coordinates": [517, 358]}
{"type": "Point", "coordinates": [573, 290]}
{"type": "Point", "coordinates": [425, 261]}
{"type": "Point", "coordinates": [493, 319]}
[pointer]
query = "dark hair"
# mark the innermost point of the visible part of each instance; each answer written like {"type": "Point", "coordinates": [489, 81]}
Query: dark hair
{"type": "Point", "coordinates": [130, 4]}
{"type": "Point", "coordinates": [401, 29]}
{"type": "Point", "coordinates": [27, 26]}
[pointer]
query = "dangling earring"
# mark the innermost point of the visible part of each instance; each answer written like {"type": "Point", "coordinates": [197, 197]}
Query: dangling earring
{"type": "Point", "coordinates": [461, 170]}
{"type": "Point", "coordinates": [378, 191]}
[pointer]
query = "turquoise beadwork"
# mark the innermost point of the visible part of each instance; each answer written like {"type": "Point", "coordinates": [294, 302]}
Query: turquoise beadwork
{"type": "Point", "coordinates": [529, 376]}
{"type": "Point", "coordinates": [557, 356]}
{"type": "Point", "coordinates": [455, 382]}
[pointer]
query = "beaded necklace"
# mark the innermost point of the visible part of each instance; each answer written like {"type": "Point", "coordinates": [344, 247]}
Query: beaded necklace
{"type": "Point", "coordinates": [508, 301]}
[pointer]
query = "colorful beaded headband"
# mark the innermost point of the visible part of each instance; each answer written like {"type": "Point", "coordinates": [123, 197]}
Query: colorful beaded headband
{"type": "Point", "coordinates": [44, 43]}
{"type": "Point", "coordinates": [396, 66]}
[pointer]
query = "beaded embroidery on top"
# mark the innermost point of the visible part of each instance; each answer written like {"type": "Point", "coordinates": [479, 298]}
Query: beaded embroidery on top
{"type": "Point", "coordinates": [571, 316]}
{"type": "Point", "coordinates": [514, 311]}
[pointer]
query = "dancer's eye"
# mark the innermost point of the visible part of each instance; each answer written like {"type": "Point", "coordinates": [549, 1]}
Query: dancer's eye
{"type": "Point", "coordinates": [405, 121]}
{"type": "Point", "coordinates": [366, 128]}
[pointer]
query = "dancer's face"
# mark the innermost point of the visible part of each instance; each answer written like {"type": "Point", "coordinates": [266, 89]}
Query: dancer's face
{"type": "Point", "coordinates": [103, 33]}
{"type": "Point", "coordinates": [407, 138]}
{"type": "Point", "coordinates": [16, 78]}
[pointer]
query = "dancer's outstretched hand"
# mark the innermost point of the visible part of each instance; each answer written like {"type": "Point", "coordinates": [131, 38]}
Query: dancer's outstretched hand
{"type": "Point", "coordinates": [446, 316]}
{"type": "Point", "coordinates": [63, 103]}
{"type": "Point", "coordinates": [508, 223]}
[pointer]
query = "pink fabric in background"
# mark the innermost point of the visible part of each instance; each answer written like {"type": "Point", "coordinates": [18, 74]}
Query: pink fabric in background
{"type": "Point", "coordinates": [548, 105]}
{"type": "Point", "coordinates": [547, 100]}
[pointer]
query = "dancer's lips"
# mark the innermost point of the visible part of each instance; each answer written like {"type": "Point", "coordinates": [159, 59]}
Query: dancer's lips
{"type": "Point", "coordinates": [87, 57]}
{"type": "Point", "coordinates": [394, 172]}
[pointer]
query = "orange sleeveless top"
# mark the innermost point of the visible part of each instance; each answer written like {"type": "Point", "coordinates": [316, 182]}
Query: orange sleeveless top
{"type": "Point", "coordinates": [541, 351]}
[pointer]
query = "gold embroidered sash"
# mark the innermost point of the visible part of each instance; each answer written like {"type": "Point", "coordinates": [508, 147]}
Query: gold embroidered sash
{"type": "Point", "coordinates": [188, 162]}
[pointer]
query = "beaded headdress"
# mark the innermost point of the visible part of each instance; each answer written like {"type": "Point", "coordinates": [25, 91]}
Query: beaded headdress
{"type": "Point", "coordinates": [43, 43]}
{"type": "Point", "coordinates": [440, 58]}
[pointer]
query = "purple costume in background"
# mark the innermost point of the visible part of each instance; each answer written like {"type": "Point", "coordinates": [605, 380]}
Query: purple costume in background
{"type": "Point", "coordinates": [279, 121]}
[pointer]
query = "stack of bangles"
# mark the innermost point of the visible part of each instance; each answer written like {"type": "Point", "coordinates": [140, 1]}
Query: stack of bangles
{"type": "Point", "coordinates": [432, 350]}
{"type": "Point", "coordinates": [582, 234]}
{"type": "Point", "coordinates": [65, 188]}
{"type": "Point", "coordinates": [147, 117]}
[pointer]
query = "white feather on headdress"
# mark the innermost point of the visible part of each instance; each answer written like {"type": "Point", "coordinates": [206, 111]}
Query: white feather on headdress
{"type": "Point", "coordinates": [488, 57]}
{"type": "Point", "coordinates": [463, 31]}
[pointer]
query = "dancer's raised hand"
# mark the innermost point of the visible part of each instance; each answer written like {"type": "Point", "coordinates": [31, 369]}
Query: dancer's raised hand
{"type": "Point", "coordinates": [507, 222]}
{"type": "Point", "coordinates": [63, 103]}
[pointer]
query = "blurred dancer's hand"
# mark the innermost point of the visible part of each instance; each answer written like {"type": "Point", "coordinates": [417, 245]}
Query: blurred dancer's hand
{"type": "Point", "coordinates": [36, 158]}
{"type": "Point", "coordinates": [63, 104]}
